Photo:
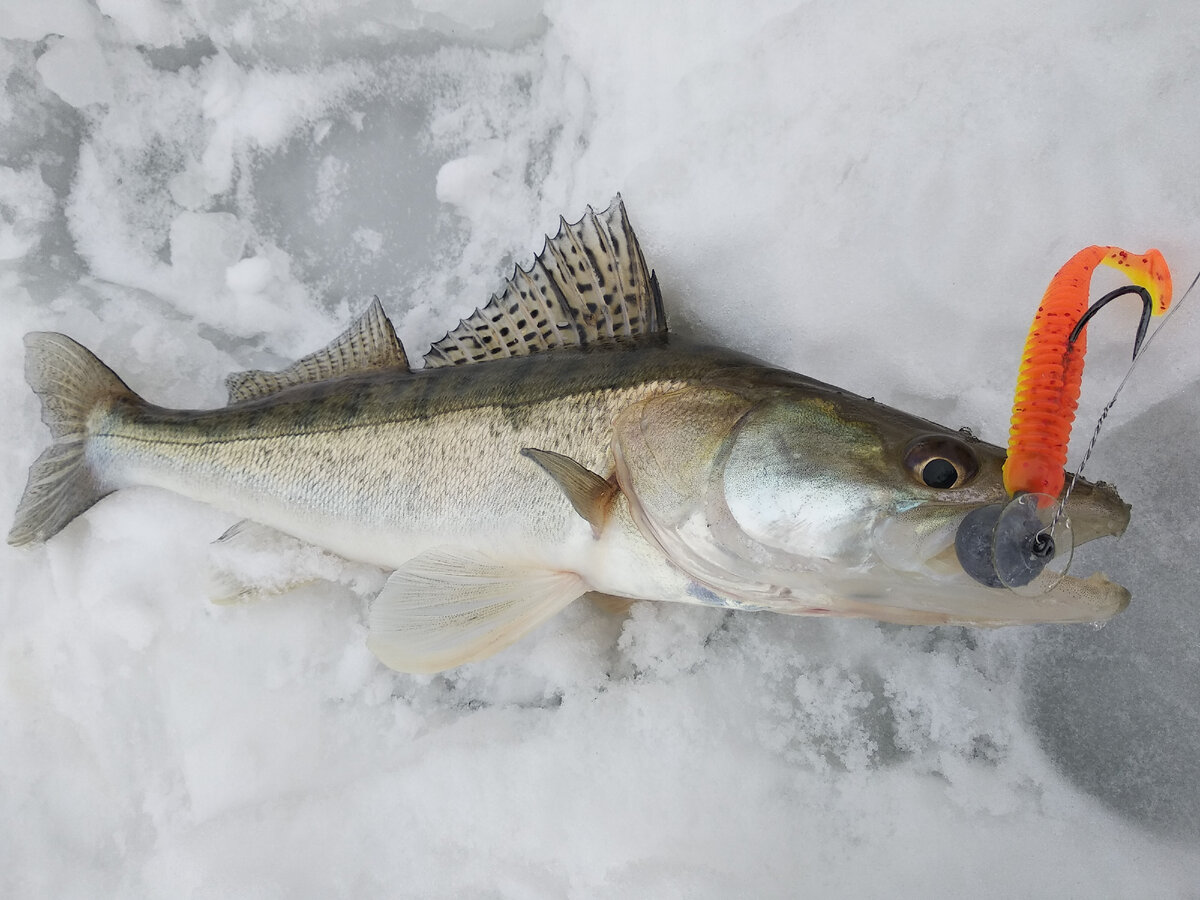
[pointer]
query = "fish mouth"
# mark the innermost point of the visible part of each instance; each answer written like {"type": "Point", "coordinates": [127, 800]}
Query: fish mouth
{"type": "Point", "coordinates": [919, 546]}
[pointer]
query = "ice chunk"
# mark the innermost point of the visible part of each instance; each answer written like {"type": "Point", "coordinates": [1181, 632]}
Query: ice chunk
{"type": "Point", "coordinates": [25, 200]}
{"type": "Point", "coordinates": [76, 70]}
{"type": "Point", "coordinates": [461, 180]}
{"type": "Point", "coordinates": [250, 276]}
{"type": "Point", "coordinates": [33, 21]}
{"type": "Point", "coordinates": [204, 246]}
{"type": "Point", "coordinates": [149, 22]}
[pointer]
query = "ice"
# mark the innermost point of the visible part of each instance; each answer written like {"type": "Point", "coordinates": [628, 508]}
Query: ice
{"type": "Point", "coordinates": [873, 194]}
{"type": "Point", "coordinates": [1118, 708]}
{"type": "Point", "coordinates": [75, 70]}
{"type": "Point", "coordinates": [33, 21]}
{"type": "Point", "coordinates": [204, 246]}
{"type": "Point", "coordinates": [249, 276]}
{"type": "Point", "coordinates": [28, 201]}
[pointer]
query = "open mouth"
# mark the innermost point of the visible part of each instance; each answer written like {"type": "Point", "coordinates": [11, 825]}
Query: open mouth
{"type": "Point", "coordinates": [1003, 563]}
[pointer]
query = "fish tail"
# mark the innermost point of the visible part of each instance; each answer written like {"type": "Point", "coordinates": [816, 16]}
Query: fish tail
{"type": "Point", "coordinates": [73, 386]}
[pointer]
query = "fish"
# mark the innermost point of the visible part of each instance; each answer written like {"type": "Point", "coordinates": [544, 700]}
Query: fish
{"type": "Point", "coordinates": [562, 442]}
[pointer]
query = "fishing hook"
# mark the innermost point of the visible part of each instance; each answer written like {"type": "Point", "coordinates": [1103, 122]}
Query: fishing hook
{"type": "Point", "coordinates": [1143, 325]}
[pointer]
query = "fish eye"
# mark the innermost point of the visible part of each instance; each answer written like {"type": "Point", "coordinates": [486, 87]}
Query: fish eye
{"type": "Point", "coordinates": [941, 462]}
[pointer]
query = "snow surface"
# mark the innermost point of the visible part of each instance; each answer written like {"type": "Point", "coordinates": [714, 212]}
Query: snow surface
{"type": "Point", "coordinates": [872, 193]}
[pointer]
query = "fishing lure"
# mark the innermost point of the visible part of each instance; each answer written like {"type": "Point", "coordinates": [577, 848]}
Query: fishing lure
{"type": "Point", "coordinates": [1051, 372]}
{"type": "Point", "coordinates": [1027, 543]}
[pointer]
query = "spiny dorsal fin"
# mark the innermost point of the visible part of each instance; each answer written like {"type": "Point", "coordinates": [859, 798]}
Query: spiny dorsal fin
{"type": "Point", "coordinates": [369, 345]}
{"type": "Point", "coordinates": [589, 285]}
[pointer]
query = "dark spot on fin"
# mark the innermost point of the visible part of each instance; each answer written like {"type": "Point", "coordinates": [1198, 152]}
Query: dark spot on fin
{"type": "Point", "coordinates": [589, 285]}
{"type": "Point", "coordinates": [590, 494]}
{"type": "Point", "coordinates": [368, 345]}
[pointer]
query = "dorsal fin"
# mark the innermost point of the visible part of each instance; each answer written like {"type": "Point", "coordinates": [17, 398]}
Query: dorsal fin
{"type": "Point", "coordinates": [589, 285]}
{"type": "Point", "coordinates": [369, 345]}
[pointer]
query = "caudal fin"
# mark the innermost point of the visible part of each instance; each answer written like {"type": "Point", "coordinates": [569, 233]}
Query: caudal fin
{"type": "Point", "coordinates": [71, 383]}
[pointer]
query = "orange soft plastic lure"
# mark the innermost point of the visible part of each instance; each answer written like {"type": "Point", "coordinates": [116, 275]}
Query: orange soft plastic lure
{"type": "Point", "coordinates": [1051, 372]}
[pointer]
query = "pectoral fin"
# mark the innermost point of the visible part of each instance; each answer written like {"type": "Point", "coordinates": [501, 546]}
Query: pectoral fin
{"type": "Point", "coordinates": [445, 607]}
{"type": "Point", "coordinates": [590, 494]}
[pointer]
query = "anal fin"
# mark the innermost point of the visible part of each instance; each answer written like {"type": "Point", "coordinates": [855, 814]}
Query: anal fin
{"type": "Point", "coordinates": [446, 607]}
{"type": "Point", "coordinates": [227, 589]}
{"type": "Point", "coordinates": [252, 561]}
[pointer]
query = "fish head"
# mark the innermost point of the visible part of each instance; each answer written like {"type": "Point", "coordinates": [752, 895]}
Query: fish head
{"type": "Point", "coordinates": [773, 491]}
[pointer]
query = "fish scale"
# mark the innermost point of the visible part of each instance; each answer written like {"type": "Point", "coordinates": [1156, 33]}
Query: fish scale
{"type": "Point", "coordinates": [372, 464]}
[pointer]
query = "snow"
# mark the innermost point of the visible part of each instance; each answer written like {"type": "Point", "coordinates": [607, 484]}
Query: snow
{"type": "Point", "coordinates": [874, 194]}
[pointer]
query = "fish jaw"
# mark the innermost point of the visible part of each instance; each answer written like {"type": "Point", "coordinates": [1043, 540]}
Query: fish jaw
{"type": "Point", "coordinates": [1072, 601]}
{"type": "Point", "coordinates": [930, 587]}
{"type": "Point", "coordinates": [1096, 510]}
{"type": "Point", "coordinates": [916, 576]}
{"type": "Point", "coordinates": [784, 494]}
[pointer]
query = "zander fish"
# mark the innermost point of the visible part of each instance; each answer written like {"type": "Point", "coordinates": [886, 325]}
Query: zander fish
{"type": "Point", "coordinates": [561, 442]}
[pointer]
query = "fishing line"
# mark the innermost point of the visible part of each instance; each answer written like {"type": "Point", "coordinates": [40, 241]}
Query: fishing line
{"type": "Point", "coordinates": [1137, 355]}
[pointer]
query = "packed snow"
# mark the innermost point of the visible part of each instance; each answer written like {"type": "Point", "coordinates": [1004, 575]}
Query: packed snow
{"type": "Point", "coordinates": [872, 193]}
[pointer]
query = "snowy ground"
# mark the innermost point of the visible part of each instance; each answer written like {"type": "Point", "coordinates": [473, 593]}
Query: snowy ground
{"type": "Point", "coordinates": [873, 193]}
